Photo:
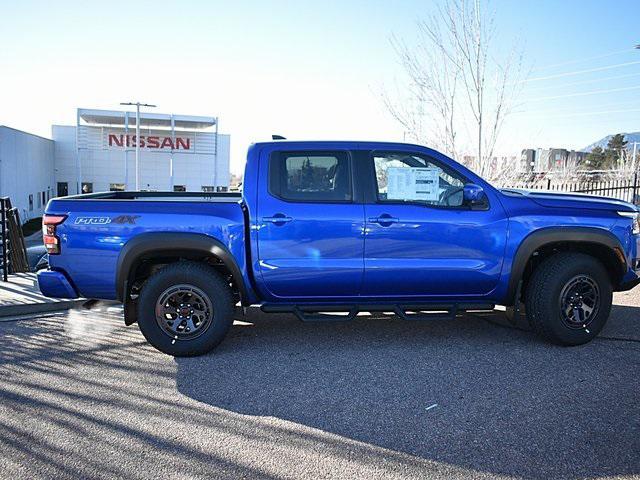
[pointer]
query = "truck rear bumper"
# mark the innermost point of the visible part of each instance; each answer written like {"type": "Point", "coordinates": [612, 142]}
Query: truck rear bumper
{"type": "Point", "coordinates": [55, 284]}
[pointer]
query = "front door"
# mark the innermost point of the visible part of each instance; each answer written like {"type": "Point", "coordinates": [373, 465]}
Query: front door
{"type": "Point", "coordinates": [420, 240]}
{"type": "Point", "coordinates": [310, 231]}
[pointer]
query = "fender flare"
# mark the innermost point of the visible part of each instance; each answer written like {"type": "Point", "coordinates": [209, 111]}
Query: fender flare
{"type": "Point", "coordinates": [146, 244]}
{"type": "Point", "coordinates": [545, 236]}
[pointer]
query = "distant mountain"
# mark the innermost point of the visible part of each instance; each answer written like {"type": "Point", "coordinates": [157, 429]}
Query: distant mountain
{"type": "Point", "coordinates": [629, 137]}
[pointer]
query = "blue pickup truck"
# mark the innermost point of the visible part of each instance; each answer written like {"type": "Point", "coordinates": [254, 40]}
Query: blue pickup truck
{"type": "Point", "coordinates": [329, 229]}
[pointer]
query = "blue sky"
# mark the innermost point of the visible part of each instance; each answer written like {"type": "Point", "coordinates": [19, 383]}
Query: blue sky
{"type": "Point", "coordinates": [305, 69]}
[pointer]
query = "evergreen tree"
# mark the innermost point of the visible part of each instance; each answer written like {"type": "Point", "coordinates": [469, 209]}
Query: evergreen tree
{"type": "Point", "coordinates": [612, 154]}
{"type": "Point", "coordinates": [617, 142]}
{"type": "Point", "coordinates": [306, 174]}
{"type": "Point", "coordinates": [596, 159]}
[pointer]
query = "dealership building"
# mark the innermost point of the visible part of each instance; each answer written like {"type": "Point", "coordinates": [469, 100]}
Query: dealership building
{"type": "Point", "coordinates": [176, 153]}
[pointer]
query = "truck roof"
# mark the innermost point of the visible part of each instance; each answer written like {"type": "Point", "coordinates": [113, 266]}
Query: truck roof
{"type": "Point", "coordinates": [362, 143]}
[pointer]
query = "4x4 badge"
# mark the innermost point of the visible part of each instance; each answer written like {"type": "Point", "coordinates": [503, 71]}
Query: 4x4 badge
{"type": "Point", "coordinates": [120, 219]}
{"type": "Point", "coordinates": [125, 219]}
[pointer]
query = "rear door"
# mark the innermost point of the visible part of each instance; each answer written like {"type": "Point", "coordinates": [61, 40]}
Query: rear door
{"type": "Point", "coordinates": [310, 229]}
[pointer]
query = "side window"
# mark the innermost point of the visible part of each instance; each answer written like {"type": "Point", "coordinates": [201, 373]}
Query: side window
{"type": "Point", "coordinates": [310, 176]}
{"type": "Point", "coordinates": [406, 177]}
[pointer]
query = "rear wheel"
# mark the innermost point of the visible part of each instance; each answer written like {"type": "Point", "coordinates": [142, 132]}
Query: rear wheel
{"type": "Point", "coordinates": [185, 309]}
{"type": "Point", "coordinates": [568, 299]}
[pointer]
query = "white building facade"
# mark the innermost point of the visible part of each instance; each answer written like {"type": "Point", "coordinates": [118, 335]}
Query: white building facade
{"type": "Point", "coordinates": [176, 153]}
{"type": "Point", "coordinates": [27, 174]}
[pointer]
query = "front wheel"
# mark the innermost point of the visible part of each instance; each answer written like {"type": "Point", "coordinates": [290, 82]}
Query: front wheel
{"type": "Point", "coordinates": [185, 309]}
{"type": "Point", "coordinates": [568, 299]}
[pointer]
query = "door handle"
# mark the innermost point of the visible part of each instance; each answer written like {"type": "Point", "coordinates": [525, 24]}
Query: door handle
{"type": "Point", "coordinates": [277, 219]}
{"type": "Point", "coordinates": [384, 220]}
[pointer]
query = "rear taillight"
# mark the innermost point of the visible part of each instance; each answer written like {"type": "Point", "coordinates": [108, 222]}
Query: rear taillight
{"type": "Point", "coordinates": [49, 237]}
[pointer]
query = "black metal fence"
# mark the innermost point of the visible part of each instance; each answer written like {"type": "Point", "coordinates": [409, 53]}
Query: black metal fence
{"type": "Point", "coordinates": [14, 251]}
{"type": "Point", "coordinates": [621, 189]}
{"type": "Point", "coordinates": [4, 239]}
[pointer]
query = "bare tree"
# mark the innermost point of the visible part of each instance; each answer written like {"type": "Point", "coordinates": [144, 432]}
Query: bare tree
{"type": "Point", "coordinates": [430, 94]}
{"type": "Point", "coordinates": [458, 93]}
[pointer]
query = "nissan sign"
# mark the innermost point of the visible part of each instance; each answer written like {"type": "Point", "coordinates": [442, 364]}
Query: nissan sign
{"type": "Point", "coordinates": [149, 141]}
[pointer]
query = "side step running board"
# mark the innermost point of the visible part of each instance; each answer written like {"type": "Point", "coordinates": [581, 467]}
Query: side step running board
{"type": "Point", "coordinates": [320, 316]}
{"type": "Point", "coordinates": [323, 313]}
{"type": "Point", "coordinates": [420, 313]}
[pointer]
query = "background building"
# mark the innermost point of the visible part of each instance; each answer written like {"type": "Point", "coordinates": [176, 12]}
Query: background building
{"type": "Point", "coordinates": [177, 153]}
{"type": "Point", "coordinates": [553, 159]}
{"type": "Point", "coordinates": [26, 171]}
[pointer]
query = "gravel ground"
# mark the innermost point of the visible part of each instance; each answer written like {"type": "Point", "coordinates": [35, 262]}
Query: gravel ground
{"type": "Point", "coordinates": [83, 396]}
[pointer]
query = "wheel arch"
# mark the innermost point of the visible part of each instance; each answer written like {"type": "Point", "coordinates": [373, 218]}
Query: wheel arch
{"type": "Point", "coordinates": [174, 245]}
{"type": "Point", "coordinates": [598, 243]}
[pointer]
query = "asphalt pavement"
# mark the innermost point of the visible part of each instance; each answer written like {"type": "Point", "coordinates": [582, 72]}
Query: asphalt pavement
{"type": "Point", "coordinates": [83, 396]}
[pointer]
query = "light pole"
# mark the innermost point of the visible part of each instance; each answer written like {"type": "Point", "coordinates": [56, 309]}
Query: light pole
{"type": "Point", "coordinates": [138, 105]}
{"type": "Point", "coordinates": [635, 144]}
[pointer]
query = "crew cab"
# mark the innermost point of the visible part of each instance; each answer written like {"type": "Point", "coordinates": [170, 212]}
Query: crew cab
{"type": "Point", "coordinates": [326, 230]}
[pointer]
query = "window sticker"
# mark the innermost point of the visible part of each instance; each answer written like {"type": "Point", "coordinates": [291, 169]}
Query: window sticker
{"type": "Point", "coordinates": [413, 183]}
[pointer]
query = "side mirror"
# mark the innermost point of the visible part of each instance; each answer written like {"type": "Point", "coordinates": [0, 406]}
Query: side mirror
{"type": "Point", "coordinates": [473, 196]}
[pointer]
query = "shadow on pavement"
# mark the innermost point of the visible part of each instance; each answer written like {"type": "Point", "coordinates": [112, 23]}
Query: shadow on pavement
{"type": "Point", "coordinates": [86, 397]}
{"type": "Point", "coordinates": [97, 402]}
{"type": "Point", "coordinates": [506, 403]}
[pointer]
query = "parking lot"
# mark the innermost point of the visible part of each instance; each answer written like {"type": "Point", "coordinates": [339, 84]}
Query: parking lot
{"type": "Point", "coordinates": [84, 396]}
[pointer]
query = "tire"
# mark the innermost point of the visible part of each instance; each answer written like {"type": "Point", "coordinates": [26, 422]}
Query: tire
{"type": "Point", "coordinates": [565, 280]}
{"type": "Point", "coordinates": [187, 287]}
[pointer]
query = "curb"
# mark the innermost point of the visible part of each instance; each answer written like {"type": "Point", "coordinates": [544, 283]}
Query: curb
{"type": "Point", "coordinates": [34, 308]}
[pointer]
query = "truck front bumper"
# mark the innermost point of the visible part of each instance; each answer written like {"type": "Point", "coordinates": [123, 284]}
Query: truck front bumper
{"type": "Point", "coordinates": [628, 285]}
{"type": "Point", "coordinates": [55, 284]}
{"type": "Point", "coordinates": [632, 278]}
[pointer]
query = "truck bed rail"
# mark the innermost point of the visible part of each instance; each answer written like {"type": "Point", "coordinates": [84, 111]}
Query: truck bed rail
{"type": "Point", "coordinates": [157, 196]}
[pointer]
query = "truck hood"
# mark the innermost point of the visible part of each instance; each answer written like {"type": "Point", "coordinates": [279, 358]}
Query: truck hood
{"type": "Point", "coordinates": [551, 199]}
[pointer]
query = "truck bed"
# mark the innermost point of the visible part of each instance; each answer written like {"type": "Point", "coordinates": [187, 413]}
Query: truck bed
{"type": "Point", "coordinates": [97, 227]}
